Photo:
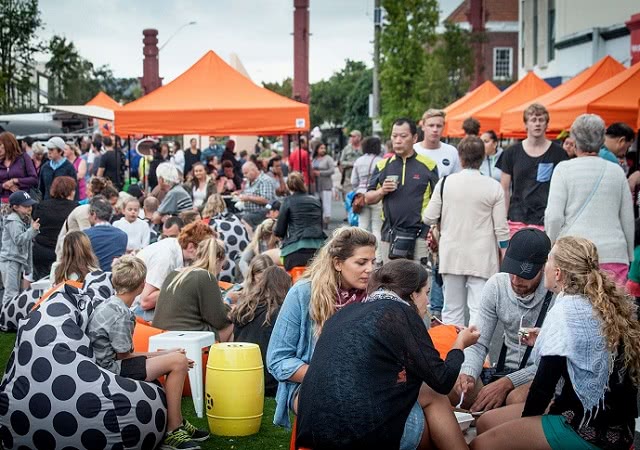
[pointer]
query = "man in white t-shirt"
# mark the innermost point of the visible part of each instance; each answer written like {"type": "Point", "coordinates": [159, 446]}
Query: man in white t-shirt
{"type": "Point", "coordinates": [445, 155]}
{"type": "Point", "coordinates": [164, 257]}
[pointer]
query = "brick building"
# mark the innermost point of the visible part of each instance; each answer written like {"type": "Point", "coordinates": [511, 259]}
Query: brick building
{"type": "Point", "coordinates": [494, 27]}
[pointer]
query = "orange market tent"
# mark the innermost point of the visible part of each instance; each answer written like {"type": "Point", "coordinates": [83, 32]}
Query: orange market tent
{"type": "Point", "coordinates": [103, 100]}
{"type": "Point", "coordinates": [485, 92]}
{"type": "Point", "coordinates": [526, 89]}
{"type": "Point", "coordinates": [615, 100]}
{"type": "Point", "coordinates": [211, 98]}
{"type": "Point", "coordinates": [511, 123]}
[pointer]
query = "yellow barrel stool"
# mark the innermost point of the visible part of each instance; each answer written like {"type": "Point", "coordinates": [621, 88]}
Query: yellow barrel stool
{"type": "Point", "coordinates": [234, 389]}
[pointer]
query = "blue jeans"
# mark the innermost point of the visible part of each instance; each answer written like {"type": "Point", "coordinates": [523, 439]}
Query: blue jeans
{"type": "Point", "coordinates": [436, 300]}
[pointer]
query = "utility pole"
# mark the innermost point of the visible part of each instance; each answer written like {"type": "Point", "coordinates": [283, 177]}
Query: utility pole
{"type": "Point", "coordinates": [375, 107]}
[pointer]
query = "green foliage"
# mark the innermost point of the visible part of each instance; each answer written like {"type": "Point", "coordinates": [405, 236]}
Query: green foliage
{"type": "Point", "coordinates": [419, 68]}
{"type": "Point", "coordinates": [455, 53]}
{"type": "Point", "coordinates": [285, 88]}
{"type": "Point", "coordinates": [341, 100]}
{"type": "Point", "coordinates": [73, 80]}
{"type": "Point", "coordinates": [408, 27]}
{"type": "Point", "coordinates": [19, 24]}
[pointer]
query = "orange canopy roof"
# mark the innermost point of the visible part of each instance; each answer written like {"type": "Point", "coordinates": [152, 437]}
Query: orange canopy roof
{"type": "Point", "coordinates": [615, 100]}
{"type": "Point", "coordinates": [488, 114]}
{"type": "Point", "coordinates": [470, 100]}
{"type": "Point", "coordinates": [638, 124]}
{"type": "Point", "coordinates": [102, 99]}
{"type": "Point", "coordinates": [212, 98]}
{"type": "Point", "coordinates": [511, 124]}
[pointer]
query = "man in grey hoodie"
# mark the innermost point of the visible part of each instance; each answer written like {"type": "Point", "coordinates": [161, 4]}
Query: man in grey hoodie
{"type": "Point", "coordinates": [514, 297]}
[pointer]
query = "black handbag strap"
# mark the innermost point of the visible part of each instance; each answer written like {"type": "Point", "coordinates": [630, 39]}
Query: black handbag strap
{"type": "Point", "coordinates": [527, 353]}
{"type": "Point", "coordinates": [442, 198]}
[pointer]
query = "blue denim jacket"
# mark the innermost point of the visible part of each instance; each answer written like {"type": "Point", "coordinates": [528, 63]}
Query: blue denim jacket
{"type": "Point", "coordinates": [291, 346]}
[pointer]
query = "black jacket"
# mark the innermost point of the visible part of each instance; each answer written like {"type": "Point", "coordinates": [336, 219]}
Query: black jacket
{"type": "Point", "coordinates": [47, 174]}
{"type": "Point", "coordinates": [300, 218]}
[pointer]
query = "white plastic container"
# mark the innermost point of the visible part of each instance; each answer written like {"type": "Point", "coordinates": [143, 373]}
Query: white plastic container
{"type": "Point", "coordinates": [464, 420]}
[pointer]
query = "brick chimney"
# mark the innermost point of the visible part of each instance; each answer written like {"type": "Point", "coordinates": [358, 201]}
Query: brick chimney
{"type": "Point", "coordinates": [301, 50]}
{"type": "Point", "coordinates": [150, 67]}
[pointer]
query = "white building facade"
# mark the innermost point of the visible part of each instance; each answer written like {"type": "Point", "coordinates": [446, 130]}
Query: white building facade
{"type": "Point", "coordinates": [560, 38]}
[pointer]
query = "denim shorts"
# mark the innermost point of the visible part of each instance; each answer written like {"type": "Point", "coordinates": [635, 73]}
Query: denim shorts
{"type": "Point", "coordinates": [413, 429]}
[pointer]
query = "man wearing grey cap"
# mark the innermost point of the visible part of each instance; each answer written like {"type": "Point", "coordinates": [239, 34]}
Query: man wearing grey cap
{"type": "Point", "coordinates": [57, 166]}
{"type": "Point", "coordinates": [517, 299]}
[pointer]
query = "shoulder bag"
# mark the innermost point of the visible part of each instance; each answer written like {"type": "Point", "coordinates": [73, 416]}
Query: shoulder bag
{"type": "Point", "coordinates": [358, 203]}
{"type": "Point", "coordinates": [499, 371]}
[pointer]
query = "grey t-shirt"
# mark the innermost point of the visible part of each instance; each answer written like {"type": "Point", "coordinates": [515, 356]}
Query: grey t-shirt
{"type": "Point", "coordinates": [176, 201]}
{"type": "Point", "coordinates": [110, 330]}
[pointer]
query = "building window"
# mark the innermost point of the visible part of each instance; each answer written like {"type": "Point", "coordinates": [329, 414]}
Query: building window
{"type": "Point", "coordinates": [502, 63]}
{"type": "Point", "coordinates": [551, 32]}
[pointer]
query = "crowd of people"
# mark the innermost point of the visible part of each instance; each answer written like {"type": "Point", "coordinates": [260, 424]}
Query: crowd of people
{"type": "Point", "coordinates": [537, 240]}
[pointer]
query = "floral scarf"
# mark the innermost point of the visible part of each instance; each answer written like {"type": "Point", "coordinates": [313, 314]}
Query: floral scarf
{"type": "Point", "coordinates": [348, 296]}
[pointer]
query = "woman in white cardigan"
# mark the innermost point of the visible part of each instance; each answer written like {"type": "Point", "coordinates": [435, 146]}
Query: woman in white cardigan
{"type": "Point", "coordinates": [589, 197]}
{"type": "Point", "coordinates": [473, 231]}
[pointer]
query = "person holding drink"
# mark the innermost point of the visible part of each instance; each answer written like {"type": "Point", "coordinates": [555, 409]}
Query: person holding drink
{"type": "Point", "coordinates": [404, 183]}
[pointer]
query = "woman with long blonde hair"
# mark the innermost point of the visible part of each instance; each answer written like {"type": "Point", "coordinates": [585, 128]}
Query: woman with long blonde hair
{"type": "Point", "coordinates": [190, 299]}
{"type": "Point", "coordinates": [590, 340]}
{"type": "Point", "coordinates": [337, 277]}
{"type": "Point", "coordinates": [77, 259]}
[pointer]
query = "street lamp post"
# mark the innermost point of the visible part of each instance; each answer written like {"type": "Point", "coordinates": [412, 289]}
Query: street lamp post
{"type": "Point", "coordinates": [193, 22]}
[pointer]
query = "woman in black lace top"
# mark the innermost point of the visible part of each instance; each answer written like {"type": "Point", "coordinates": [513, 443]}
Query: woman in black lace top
{"type": "Point", "coordinates": [591, 340]}
{"type": "Point", "coordinates": [365, 384]}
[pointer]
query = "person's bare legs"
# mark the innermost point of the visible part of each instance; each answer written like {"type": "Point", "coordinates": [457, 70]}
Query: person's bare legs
{"type": "Point", "coordinates": [441, 427]}
{"type": "Point", "coordinates": [498, 416]}
{"type": "Point", "coordinates": [175, 366]}
{"type": "Point", "coordinates": [518, 395]}
{"type": "Point", "coordinates": [521, 434]}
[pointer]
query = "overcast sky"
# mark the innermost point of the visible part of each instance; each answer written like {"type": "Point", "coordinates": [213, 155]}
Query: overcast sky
{"type": "Point", "coordinates": [258, 31]}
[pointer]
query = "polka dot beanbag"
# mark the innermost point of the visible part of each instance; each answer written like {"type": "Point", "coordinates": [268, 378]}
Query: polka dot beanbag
{"type": "Point", "coordinates": [54, 396]}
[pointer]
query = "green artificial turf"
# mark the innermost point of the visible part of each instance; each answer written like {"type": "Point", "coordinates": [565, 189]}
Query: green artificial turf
{"type": "Point", "coordinates": [269, 437]}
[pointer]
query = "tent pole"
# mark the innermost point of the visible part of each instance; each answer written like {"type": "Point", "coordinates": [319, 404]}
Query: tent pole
{"type": "Point", "coordinates": [129, 155]}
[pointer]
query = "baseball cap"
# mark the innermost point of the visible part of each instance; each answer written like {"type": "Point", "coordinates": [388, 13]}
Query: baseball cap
{"type": "Point", "coordinates": [56, 142]}
{"type": "Point", "coordinates": [527, 252]}
{"type": "Point", "coordinates": [21, 198]}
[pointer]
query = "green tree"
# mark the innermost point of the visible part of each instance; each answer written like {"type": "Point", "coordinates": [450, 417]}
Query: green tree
{"type": "Point", "coordinates": [285, 88]}
{"type": "Point", "coordinates": [409, 27]}
{"type": "Point", "coordinates": [71, 77]}
{"type": "Point", "coordinates": [123, 90]}
{"type": "Point", "coordinates": [19, 25]}
{"type": "Point", "coordinates": [455, 54]}
{"type": "Point", "coordinates": [343, 99]}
